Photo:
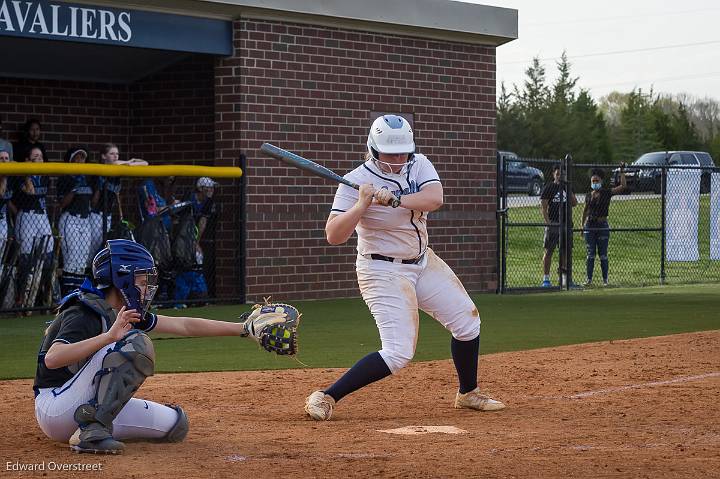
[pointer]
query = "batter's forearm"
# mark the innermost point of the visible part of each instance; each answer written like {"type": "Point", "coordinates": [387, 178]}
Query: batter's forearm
{"type": "Point", "coordinates": [428, 199]}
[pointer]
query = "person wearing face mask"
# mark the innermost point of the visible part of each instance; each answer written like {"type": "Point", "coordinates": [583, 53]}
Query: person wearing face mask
{"type": "Point", "coordinates": [74, 196]}
{"type": "Point", "coordinates": [596, 229]}
{"type": "Point", "coordinates": [396, 270]}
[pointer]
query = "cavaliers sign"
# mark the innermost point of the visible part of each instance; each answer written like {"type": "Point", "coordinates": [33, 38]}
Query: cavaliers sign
{"type": "Point", "coordinates": [135, 28]}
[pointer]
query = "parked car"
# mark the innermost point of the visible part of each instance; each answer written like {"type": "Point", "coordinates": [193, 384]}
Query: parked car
{"type": "Point", "coordinates": [647, 178]}
{"type": "Point", "coordinates": [519, 177]}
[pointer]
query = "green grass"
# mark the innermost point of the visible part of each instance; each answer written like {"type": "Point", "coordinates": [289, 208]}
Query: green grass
{"type": "Point", "coordinates": [634, 256]}
{"type": "Point", "coordinates": [336, 333]}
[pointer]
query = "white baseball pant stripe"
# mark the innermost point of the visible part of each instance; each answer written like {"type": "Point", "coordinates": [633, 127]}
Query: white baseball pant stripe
{"type": "Point", "coordinates": [139, 419]}
{"type": "Point", "coordinates": [30, 225]}
{"type": "Point", "coordinates": [75, 243]}
{"type": "Point", "coordinates": [395, 291]}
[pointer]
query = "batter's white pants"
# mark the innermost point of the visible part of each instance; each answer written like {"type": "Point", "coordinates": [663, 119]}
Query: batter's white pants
{"type": "Point", "coordinates": [395, 291]}
{"type": "Point", "coordinates": [139, 419]}
{"type": "Point", "coordinates": [31, 225]}
{"type": "Point", "coordinates": [96, 223]}
{"type": "Point", "coordinates": [76, 236]}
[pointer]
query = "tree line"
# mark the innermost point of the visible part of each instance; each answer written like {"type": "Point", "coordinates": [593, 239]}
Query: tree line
{"type": "Point", "coordinates": [542, 120]}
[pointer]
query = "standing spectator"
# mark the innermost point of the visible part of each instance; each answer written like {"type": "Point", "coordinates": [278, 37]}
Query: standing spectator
{"type": "Point", "coordinates": [190, 281]}
{"type": "Point", "coordinates": [552, 205]}
{"type": "Point", "coordinates": [595, 221]}
{"type": "Point", "coordinates": [106, 192]}
{"type": "Point", "coordinates": [203, 204]}
{"type": "Point", "coordinates": [154, 234]}
{"type": "Point", "coordinates": [6, 206]}
{"type": "Point", "coordinates": [4, 144]}
{"type": "Point", "coordinates": [30, 138]}
{"type": "Point", "coordinates": [74, 227]}
{"type": "Point", "coordinates": [32, 227]}
{"type": "Point", "coordinates": [7, 270]}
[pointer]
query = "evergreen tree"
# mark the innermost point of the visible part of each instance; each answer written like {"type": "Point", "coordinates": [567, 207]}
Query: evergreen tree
{"type": "Point", "coordinates": [637, 133]}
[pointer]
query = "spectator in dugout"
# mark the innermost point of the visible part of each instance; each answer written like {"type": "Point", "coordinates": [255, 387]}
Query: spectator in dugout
{"type": "Point", "coordinates": [6, 207]}
{"type": "Point", "coordinates": [32, 227]}
{"type": "Point", "coordinates": [190, 281]}
{"type": "Point", "coordinates": [5, 145]}
{"type": "Point", "coordinates": [30, 138]}
{"type": "Point", "coordinates": [74, 194]}
{"type": "Point", "coordinates": [106, 194]}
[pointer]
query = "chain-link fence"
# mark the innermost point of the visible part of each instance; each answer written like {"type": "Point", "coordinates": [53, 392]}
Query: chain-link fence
{"type": "Point", "coordinates": [660, 228]}
{"type": "Point", "coordinates": [52, 227]}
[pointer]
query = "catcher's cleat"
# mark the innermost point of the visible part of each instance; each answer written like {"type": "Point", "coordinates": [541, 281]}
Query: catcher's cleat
{"type": "Point", "coordinates": [319, 406]}
{"type": "Point", "coordinates": [103, 446]}
{"type": "Point", "coordinates": [75, 438]}
{"type": "Point", "coordinates": [477, 400]}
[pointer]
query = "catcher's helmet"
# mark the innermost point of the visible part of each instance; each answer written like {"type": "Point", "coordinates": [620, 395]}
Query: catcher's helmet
{"type": "Point", "coordinates": [129, 267]}
{"type": "Point", "coordinates": [390, 134]}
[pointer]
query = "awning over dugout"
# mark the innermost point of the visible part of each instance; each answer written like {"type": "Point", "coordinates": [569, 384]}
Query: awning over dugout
{"type": "Point", "coordinates": [59, 40]}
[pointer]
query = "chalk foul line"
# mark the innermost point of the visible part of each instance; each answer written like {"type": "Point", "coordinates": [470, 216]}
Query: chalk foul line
{"type": "Point", "coordinates": [682, 379]}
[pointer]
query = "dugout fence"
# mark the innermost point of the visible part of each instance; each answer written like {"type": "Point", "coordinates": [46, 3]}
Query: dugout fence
{"type": "Point", "coordinates": [52, 223]}
{"type": "Point", "coordinates": [638, 228]}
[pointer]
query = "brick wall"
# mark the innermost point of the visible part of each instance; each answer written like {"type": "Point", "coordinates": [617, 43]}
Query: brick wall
{"type": "Point", "coordinates": [70, 112]}
{"type": "Point", "coordinates": [311, 90]}
{"type": "Point", "coordinates": [172, 114]}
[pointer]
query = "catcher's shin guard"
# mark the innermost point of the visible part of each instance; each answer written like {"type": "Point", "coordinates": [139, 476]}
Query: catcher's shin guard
{"type": "Point", "coordinates": [181, 427]}
{"type": "Point", "coordinates": [125, 368]}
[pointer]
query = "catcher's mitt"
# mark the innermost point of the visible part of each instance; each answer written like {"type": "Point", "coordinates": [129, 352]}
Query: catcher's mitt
{"type": "Point", "coordinates": [273, 326]}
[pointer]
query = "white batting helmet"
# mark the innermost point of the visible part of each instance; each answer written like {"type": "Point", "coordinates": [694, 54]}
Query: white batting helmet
{"type": "Point", "coordinates": [390, 134]}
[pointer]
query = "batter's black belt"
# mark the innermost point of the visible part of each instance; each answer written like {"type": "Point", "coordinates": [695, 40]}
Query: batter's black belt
{"type": "Point", "coordinates": [397, 260]}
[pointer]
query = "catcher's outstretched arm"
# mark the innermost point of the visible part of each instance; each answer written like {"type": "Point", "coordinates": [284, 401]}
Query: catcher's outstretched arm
{"type": "Point", "coordinates": [187, 326]}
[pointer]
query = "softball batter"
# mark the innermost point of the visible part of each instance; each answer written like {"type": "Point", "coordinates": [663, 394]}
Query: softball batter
{"type": "Point", "coordinates": [397, 272]}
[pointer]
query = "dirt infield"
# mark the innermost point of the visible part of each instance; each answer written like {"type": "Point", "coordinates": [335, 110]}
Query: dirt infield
{"type": "Point", "coordinates": [637, 408]}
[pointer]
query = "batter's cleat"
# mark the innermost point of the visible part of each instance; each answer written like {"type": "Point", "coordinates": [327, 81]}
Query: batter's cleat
{"type": "Point", "coordinates": [103, 446]}
{"type": "Point", "coordinates": [319, 406]}
{"type": "Point", "coordinates": [546, 283]}
{"type": "Point", "coordinates": [477, 400]}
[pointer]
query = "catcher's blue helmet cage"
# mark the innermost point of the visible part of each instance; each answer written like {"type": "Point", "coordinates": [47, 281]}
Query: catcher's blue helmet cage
{"type": "Point", "coordinates": [120, 264]}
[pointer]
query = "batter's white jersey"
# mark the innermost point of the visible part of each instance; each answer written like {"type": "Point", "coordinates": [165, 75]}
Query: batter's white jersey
{"type": "Point", "coordinates": [394, 291]}
{"type": "Point", "coordinates": [395, 232]}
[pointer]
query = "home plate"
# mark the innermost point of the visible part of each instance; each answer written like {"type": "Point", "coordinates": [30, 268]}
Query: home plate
{"type": "Point", "coordinates": [414, 430]}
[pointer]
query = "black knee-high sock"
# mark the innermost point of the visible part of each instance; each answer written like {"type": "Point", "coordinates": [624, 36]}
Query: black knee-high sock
{"type": "Point", "coordinates": [369, 369]}
{"type": "Point", "coordinates": [465, 356]}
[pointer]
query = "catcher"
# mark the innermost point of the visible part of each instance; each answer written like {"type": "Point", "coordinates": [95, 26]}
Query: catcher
{"type": "Point", "coordinates": [96, 354]}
